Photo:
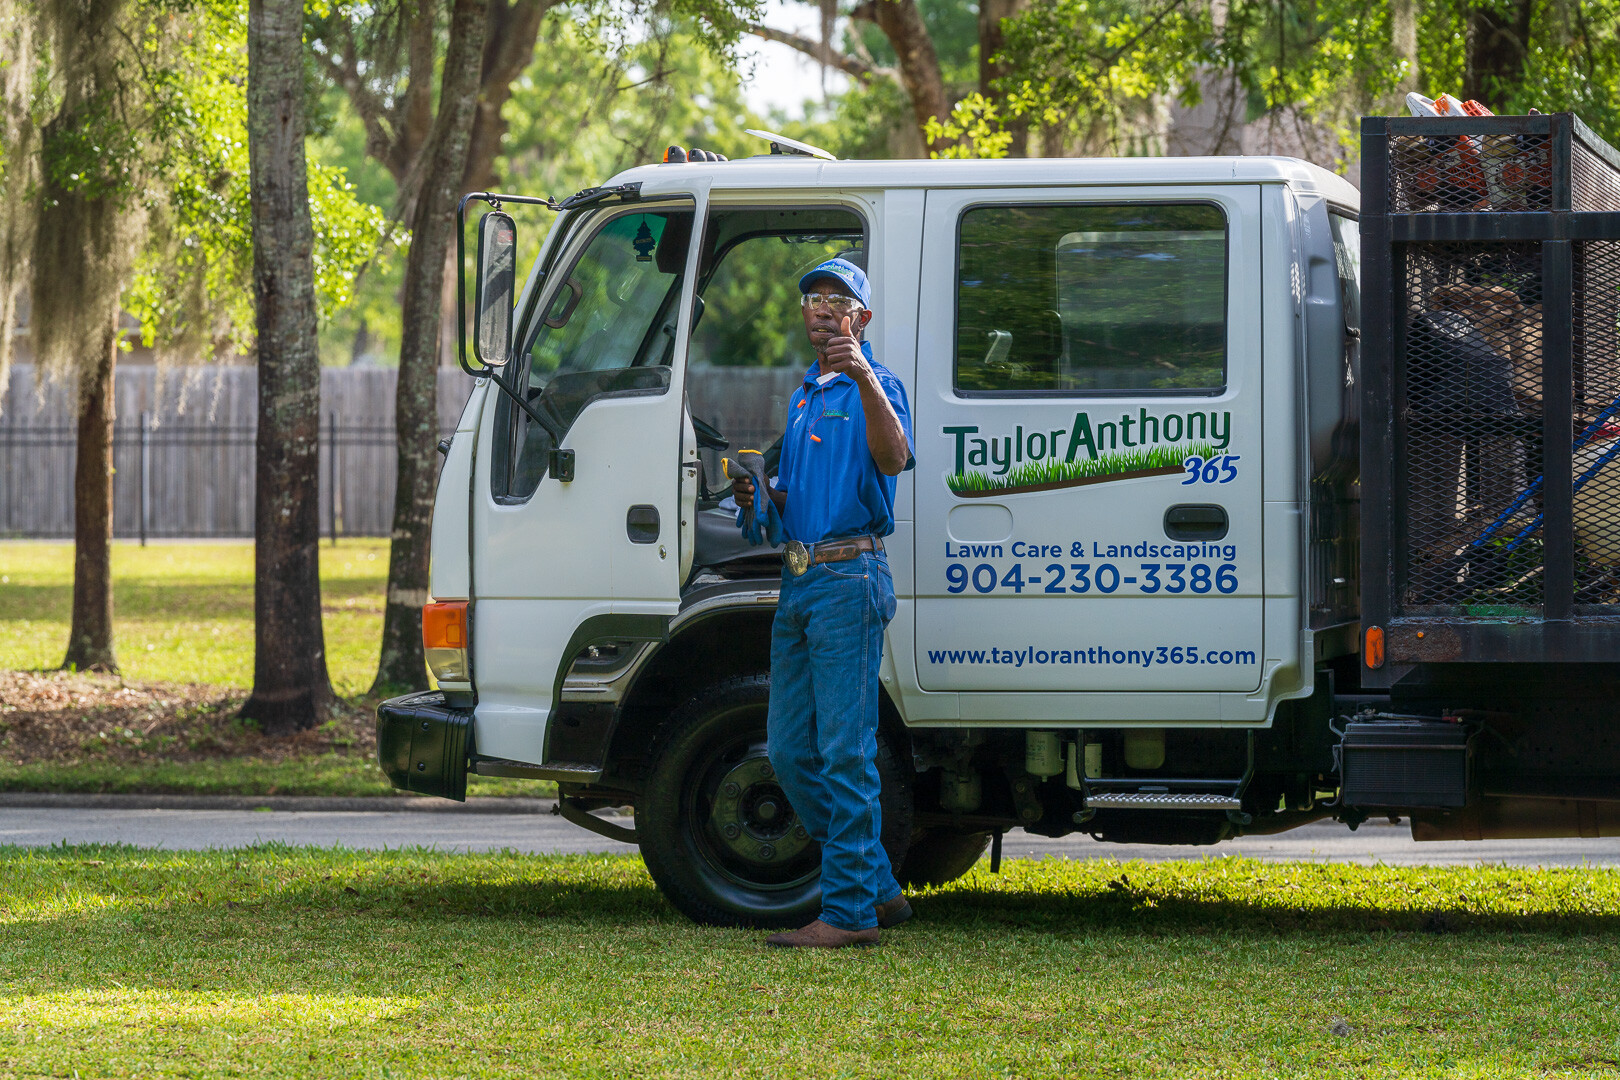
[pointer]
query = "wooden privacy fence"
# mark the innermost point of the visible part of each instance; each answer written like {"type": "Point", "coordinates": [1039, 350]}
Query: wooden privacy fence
{"type": "Point", "coordinates": [183, 451]}
{"type": "Point", "coordinates": [183, 445]}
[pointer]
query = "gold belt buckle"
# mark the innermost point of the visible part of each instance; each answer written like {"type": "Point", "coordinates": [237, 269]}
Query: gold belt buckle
{"type": "Point", "coordinates": [798, 558]}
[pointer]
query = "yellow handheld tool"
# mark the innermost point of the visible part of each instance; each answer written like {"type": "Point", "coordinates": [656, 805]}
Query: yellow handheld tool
{"type": "Point", "coordinates": [747, 465]}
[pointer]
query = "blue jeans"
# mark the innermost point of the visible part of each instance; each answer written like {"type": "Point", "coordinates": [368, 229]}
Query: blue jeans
{"type": "Point", "coordinates": [821, 729]}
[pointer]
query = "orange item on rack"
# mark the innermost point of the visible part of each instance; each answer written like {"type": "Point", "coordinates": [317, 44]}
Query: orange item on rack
{"type": "Point", "coordinates": [1462, 174]}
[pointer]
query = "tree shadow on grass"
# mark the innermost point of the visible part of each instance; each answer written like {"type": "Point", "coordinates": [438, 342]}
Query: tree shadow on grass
{"type": "Point", "coordinates": [614, 892]}
{"type": "Point", "coordinates": [606, 904]}
{"type": "Point", "coordinates": [1128, 906]}
{"type": "Point", "coordinates": [1116, 906]}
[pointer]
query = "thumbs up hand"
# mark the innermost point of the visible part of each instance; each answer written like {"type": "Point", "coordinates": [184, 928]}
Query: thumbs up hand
{"type": "Point", "coordinates": [844, 354]}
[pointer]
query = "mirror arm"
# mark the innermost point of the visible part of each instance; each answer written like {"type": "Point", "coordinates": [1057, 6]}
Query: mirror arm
{"type": "Point", "coordinates": [461, 304]}
{"type": "Point", "coordinates": [587, 197]}
{"type": "Point", "coordinates": [518, 399]}
{"type": "Point", "coordinates": [627, 192]}
{"type": "Point", "coordinates": [494, 201]}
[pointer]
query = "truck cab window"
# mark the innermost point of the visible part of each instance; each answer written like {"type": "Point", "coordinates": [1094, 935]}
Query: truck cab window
{"type": "Point", "coordinates": [1091, 299]}
{"type": "Point", "coordinates": [1347, 254]}
{"type": "Point", "coordinates": [749, 350]}
{"type": "Point", "coordinates": [607, 328]}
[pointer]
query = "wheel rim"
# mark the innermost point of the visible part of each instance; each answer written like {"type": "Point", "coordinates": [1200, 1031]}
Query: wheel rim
{"type": "Point", "coordinates": [742, 823]}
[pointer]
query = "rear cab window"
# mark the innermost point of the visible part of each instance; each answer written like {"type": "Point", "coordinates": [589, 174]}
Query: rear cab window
{"type": "Point", "coordinates": [1099, 299]}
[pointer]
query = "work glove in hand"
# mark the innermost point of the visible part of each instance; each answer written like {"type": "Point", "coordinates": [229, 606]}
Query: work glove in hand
{"type": "Point", "coordinates": [759, 521]}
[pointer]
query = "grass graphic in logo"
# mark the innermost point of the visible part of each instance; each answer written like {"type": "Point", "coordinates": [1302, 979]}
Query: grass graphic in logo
{"type": "Point", "coordinates": [1055, 473]}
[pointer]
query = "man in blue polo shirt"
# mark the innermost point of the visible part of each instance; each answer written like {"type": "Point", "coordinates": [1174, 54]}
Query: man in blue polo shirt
{"type": "Point", "coordinates": [848, 436]}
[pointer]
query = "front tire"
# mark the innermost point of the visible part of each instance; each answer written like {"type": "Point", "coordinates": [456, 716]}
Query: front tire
{"type": "Point", "coordinates": [718, 834]}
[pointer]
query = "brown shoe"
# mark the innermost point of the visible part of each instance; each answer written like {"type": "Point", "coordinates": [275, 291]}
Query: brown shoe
{"type": "Point", "coordinates": [819, 935]}
{"type": "Point", "coordinates": [893, 913]}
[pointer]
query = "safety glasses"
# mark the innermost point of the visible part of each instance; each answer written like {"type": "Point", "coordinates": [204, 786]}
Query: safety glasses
{"type": "Point", "coordinates": [842, 305]}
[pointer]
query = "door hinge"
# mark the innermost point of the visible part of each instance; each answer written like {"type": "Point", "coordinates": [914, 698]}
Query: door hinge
{"type": "Point", "coordinates": [562, 465]}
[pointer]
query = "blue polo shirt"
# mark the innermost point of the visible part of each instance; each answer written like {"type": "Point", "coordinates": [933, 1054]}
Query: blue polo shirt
{"type": "Point", "coordinates": [833, 486]}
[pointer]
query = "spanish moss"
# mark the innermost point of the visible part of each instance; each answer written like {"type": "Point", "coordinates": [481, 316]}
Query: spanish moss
{"type": "Point", "coordinates": [19, 164]}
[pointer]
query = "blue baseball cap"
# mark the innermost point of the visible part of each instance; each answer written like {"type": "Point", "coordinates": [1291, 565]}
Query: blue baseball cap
{"type": "Point", "coordinates": [846, 273]}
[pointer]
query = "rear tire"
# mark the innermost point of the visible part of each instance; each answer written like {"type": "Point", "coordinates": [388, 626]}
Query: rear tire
{"type": "Point", "coordinates": [938, 856]}
{"type": "Point", "coordinates": [716, 831]}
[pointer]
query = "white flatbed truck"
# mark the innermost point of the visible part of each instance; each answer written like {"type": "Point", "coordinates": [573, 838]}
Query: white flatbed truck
{"type": "Point", "coordinates": [1130, 561]}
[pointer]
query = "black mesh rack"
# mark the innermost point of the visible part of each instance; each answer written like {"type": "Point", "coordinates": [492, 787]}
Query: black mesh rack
{"type": "Point", "coordinates": [1490, 462]}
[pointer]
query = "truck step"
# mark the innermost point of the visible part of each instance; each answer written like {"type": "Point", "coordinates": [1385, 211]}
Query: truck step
{"type": "Point", "coordinates": [568, 772]}
{"type": "Point", "coordinates": [1162, 800]}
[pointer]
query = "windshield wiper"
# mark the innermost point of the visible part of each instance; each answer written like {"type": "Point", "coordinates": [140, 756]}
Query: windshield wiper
{"type": "Point", "coordinates": [593, 195]}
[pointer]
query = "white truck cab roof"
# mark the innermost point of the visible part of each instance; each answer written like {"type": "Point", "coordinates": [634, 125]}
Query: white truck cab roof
{"type": "Point", "coordinates": [775, 171]}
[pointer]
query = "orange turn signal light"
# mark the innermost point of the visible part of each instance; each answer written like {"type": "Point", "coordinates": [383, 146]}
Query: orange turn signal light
{"type": "Point", "coordinates": [1372, 649]}
{"type": "Point", "coordinates": [444, 624]}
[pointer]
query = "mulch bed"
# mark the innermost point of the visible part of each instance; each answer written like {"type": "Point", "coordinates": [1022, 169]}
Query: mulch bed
{"type": "Point", "coordinates": [68, 717]}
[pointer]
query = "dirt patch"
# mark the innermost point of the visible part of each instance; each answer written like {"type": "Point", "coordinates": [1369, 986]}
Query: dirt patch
{"type": "Point", "coordinates": [70, 718]}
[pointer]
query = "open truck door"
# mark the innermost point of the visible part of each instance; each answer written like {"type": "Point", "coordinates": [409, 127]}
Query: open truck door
{"type": "Point", "coordinates": [580, 514]}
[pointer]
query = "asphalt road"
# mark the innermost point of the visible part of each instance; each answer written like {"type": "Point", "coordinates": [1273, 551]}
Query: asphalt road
{"type": "Point", "coordinates": [1374, 842]}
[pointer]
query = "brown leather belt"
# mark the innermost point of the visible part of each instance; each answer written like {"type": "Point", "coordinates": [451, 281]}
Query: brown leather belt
{"type": "Point", "coordinates": [801, 557]}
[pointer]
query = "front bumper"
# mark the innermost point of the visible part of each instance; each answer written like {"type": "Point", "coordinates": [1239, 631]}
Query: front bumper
{"type": "Point", "coordinates": [423, 745]}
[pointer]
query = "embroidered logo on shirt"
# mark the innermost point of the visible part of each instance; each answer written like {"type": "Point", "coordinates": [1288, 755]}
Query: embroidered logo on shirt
{"type": "Point", "coordinates": [834, 414]}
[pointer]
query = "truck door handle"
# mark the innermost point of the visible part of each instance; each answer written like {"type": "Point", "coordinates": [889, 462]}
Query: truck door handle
{"type": "Point", "coordinates": [1196, 521]}
{"type": "Point", "coordinates": [641, 523]}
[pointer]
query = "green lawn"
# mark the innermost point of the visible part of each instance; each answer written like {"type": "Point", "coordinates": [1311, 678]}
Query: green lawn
{"type": "Point", "coordinates": [184, 617]}
{"type": "Point", "coordinates": [275, 962]}
{"type": "Point", "coordinates": [183, 612]}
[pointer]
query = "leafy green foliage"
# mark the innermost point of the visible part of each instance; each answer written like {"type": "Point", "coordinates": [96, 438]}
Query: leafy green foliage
{"type": "Point", "coordinates": [1089, 72]}
{"type": "Point", "coordinates": [600, 97]}
{"type": "Point", "coordinates": [953, 27]}
{"type": "Point", "coordinates": [972, 130]}
{"type": "Point", "coordinates": [193, 289]}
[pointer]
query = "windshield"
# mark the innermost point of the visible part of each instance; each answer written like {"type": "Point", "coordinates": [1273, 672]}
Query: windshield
{"type": "Point", "coordinates": [606, 313]}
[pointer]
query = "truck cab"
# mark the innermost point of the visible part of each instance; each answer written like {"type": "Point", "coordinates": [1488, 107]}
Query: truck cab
{"type": "Point", "coordinates": [1126, 561]}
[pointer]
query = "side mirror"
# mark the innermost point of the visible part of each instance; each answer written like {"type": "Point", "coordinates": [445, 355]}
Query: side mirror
{"type": "Point", "coordinates": [493, 298]}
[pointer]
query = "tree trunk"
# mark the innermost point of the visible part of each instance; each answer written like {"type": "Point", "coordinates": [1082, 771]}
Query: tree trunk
{"type": "Point", "coordinates": [902, 23]}
{"type": "Point", "coordinates": [416, 406]}
{"type": "Point", "coordinates": [1403, 23]}
{"type": "Point", "coordinates": [90, 641]}
{"type": "Point", "coordinates": [508, 48]}
{"type": "Point", "coordinates": [991, 66]}
{"type": "Point", "coordinates": [1498, 47]}
{"type": "Point", "coordinates": [291, 689]}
